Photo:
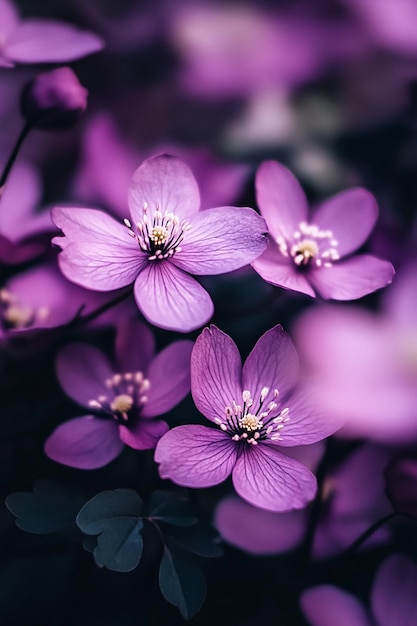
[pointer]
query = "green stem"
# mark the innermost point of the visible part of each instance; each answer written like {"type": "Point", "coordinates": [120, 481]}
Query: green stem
{"type": "Point", "coordinates": [12, 158]}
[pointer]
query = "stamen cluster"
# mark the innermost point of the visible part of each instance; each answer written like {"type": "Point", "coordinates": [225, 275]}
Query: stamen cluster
{"type": "Point", "coordinates": [243, 422]}
{"type": "Point", "coordinates": [160, 235]}
{"type": "Point", "coordinates": [128, 397]}
{"type": "Point", "coordinates": [310, 245]}
{"type": "Point", "coordinates": [15, 315]}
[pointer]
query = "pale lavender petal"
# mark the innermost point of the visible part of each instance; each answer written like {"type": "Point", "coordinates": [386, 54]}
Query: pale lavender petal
{"type": "Point", "coordinates": [101, 266]}
{"type": "Point", "coordinates": [350, 215]}
{"type": "Point", "coordinates": [327, 605]}
{"type": "Point", "coordinates": [222, 240]}
{"type": "Point", "coordinates": [82, 371]}
{"type": "Point", "coordinates": [135, 345]}
{"type": "Point", "coordinates": [166, 182]}
{"type": "Point", "coordinates": [273, 363]}
{"type": "Point", "coordinates": [257, 531]}
{"type": "Point", "coordinates": [171, 299]}
{"type": "Point", "coordinates": [310, 456]}
{"type": "Point", "coordinates": [216, 369]}
{"type": "Point", "coordinates": [90, 225]}
{"type": "Point", "coordinates": [273, 481]}
{"type": "Point", "coordinates": [169, 375]}
{"type": "Point", "coordinates": [400, 300]}
{"type": "Point", "coordinates": [84, 442]}
{"type": "Point", "coordinates": [352, 278]}
{"type": "Point", "coordinates": [394, 597]}
{"type": "Point", "coordinates": [45, 41]}
{"type": "Point", "coordinates": [9, 17]}
{"type": "Point", "coordinates": [281, 200]}
{"type": "Point", "coordinates": [281, 271]}
{"type": "Point", "coordinates": [196, 456]}
{"type": "Point", "coordinates": [144, 435]}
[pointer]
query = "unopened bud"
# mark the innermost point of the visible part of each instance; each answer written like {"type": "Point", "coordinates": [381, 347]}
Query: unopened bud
{"type": "Point", "coordinates": [54, 100]}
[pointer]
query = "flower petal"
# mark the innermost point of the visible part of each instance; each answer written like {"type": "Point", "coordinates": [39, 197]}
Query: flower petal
{"type": "Point", "coordinates": [84, 442]}
{"type": "Point", "coordinates": [9, 18]}
{"type": "Point", "coordinates": [82, 371]}
{"type": "Point", "coordinates": [90, 225]}
{"type": "Point", "coordinates": [166, 183]}
{"type": "Point", "coordinates": [171, 299]}
{"type": "Point", "coordinates": [352, 278]}
{"type": "Point", "coordinates": [350, 215]}
{"type": "Point", "coordinates": [46, 41]}
{"type": "Point", "coordinates": [394, 599]}
{"type": "Point", "coordinates": [144, 435]}
{"type": "Point", "coordinates": [169, 375]}
{"type": "Point", "coordinates": [195, 456]}
{"type": "Point", "coordinates": [222, 240]}
{"type": "Point", "coordinates": [273, 481]}
{"type": "Point", "coordinates": [273, 363]}
{"type": "Point", "coordinates": [135, 345]}
{"type": "Point", "coordinates": [280, 270]}
{"type": "Point", "coordinates": [216, 369]}
{"type": "Point", "coordinates": [327, 605]}
{"type": "Point", "coordinates": [257, 531]}
{"type": "Point", "coordinates": [281, 200]}
{"type": "Point", "coordinates": [101, 266]}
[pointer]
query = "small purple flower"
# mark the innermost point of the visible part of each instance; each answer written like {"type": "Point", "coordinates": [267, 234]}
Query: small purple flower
{"type": "Point", "coordinates": [123, 399]}
{"type": "Point", "coordinates": [165, 240]}
{"type": "Point", "coordinates": [258, 413]}
{"type": "Point", "coordinates": [41, 41]}
{"type": "Point", "coordinates": [314, 253]}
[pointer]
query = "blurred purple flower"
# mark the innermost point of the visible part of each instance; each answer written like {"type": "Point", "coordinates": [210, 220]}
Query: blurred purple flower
{"type": "Point", "coordinates": [41, 41]}
{"type": "Point", "coordinates": [166, 239]}
{"type": "Point", "coordinates": [315, 253]}
{"type": "Point", "coordinates": [124, 398]}
{"type": "Point", "coordinates": [393, 599]}
{"type": "Point", "coordinates": [259, 413]}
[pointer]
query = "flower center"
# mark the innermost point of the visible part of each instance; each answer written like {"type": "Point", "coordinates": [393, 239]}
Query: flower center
{"type": "Point", "coordinates": [15, 315]}
{"type": "Point", "coordinates": [245, 422]}
{"type": "Point", "coordinates": [128, 395]}
{"type": "Point", "coordinates": [159, 234]}
{"type": "Point", "coordinates": [310, 246]}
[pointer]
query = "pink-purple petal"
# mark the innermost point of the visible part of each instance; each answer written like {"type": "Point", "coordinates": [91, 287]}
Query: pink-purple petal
{"type": "Point", "coordinates": [46, 41]}
{"type": "Point", "coordinates": [350, 215]}
{"type": "Point", "coordinates": [82, 371]}
{"type": "Point", "coordinates": [222, 240]}
{"type": "Point", "coordinates": [196, 456]}
{"type": "Point", "coordinates": [144, 435]}
{"type": "Point", "coordinates": [273, 481]}
{"type": "Point", "coordinates": [101, 266]}
{"type": "Point", "coordinates": [394, 597]}
{"type": "Point", "coordinates": [281, 200]}
{"type": "Point", "coordinates": [216, 369]}
{"type": "Point", "coordinates": [327, 606]}
{"type": "Point", "coordinates": [273, 363]}
{"type": "Point", "coordinates": [84, 442]}
{"type": "Point", "coordinates": [171, 299]}
{"type": "Point", "coordinates": [135, 345]}
{"type": "Point", "coordinates": [9, 18]}
{"type": "Point", "coordinates": [90, 225]}
{"type": "Point", "coordinates": [169, 376]}
{"type": "Point", "coordinates": [281, 271]}
{"type": "Point", "coordinates": [352, 278]}
{"type": "Point", "coordinates": [166, 183]}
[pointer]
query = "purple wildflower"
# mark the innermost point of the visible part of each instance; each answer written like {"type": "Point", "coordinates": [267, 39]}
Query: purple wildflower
{"type": "Point", "coordinates": [123, 399]}
{"type": "Point", "coordinates": [41, 41]}
{"type": "Point", "coordinates": [258, 412]}
{"type": "Point", "coordinates": [393, 599]}
{"type": "Point", "coordinates": [314, 253]}
{"type": "Point", "coordinates": [165, 240]}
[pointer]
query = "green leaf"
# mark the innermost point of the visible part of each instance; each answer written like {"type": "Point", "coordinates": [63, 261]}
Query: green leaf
{"type": "Point", "coordinates": [201, 539]}
{"type": "Point", "coordinates": [171, 508]}
{"type": "Point", "coordinates": [182, 583]}
{"type": "Point", "coordinates": [115, 516]}
{"type": "Point", "coordinates": [51, 507]}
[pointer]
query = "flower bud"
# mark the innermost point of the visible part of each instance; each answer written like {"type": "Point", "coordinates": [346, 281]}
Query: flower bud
{"type": "Point", "coordinates": [54, 100]}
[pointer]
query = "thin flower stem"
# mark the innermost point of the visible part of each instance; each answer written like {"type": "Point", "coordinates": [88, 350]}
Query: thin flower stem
{"type": "Point", "coordinates": [12, 158]}
{"type": "Point", "coordinates": [368, 532]}
{"type": "Point", "coordinates": [79, 319]}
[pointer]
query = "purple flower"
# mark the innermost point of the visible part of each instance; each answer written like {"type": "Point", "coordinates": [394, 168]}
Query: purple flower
{"type": "Point", "coordinates": [41, 41]}
{"type": "Point", "coordinates": [393, 599]}
{"type": "Point", "coordinates": [314, 253]}
{"type": "Point", "coordinates": [165, 240]}
{"type": "Point", "coordinates": [258, 413]}
{"type": "Point", "coordinates": [123, 399]}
